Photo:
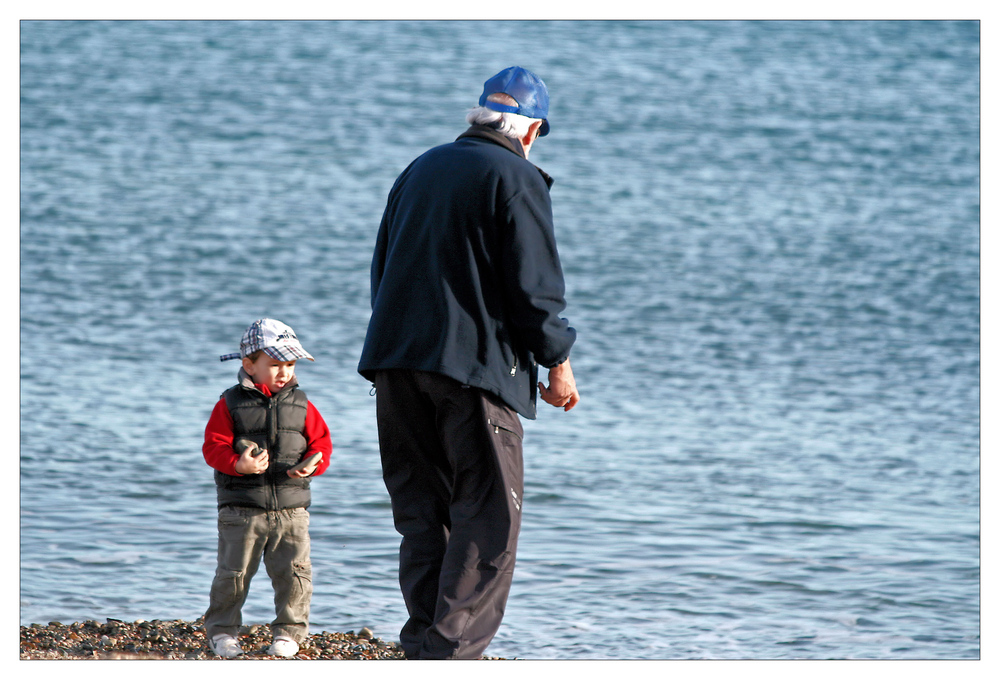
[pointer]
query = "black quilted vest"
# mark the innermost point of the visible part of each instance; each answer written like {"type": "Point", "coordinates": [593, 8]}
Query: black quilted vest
{"type": "Point", "coordinates": [277, 424]}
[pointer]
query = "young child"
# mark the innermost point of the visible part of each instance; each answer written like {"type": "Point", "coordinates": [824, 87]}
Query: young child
{"type": "Point", "coordinates": [259, 431]}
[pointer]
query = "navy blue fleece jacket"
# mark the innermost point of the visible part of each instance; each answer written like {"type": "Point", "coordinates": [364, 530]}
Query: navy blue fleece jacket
{"type": "Point", "coordinates": [466, 279]}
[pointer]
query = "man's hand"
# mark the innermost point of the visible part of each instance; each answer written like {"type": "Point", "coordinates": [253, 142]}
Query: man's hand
{"type": "Point", "coordinates": [250, 465]}
{"type": "Point", "coordinates": [562, 387]}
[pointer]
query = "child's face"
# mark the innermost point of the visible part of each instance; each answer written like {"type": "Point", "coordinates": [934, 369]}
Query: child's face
{"type": "Point", "coordinates": [269, 371]}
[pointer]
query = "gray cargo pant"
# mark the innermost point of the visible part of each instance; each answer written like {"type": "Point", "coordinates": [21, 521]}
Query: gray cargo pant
{"type": "Point", "coordinates": [281, 537]}
{"type": "Point", "coordinates": [452, 463]}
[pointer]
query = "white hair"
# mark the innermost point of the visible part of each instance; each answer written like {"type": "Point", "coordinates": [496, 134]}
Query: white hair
{"type": "Point", "coordinates": [512, 125]}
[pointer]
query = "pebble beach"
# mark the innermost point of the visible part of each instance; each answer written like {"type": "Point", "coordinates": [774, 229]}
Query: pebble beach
{"type": "Point", "coordinates": [160, 640]}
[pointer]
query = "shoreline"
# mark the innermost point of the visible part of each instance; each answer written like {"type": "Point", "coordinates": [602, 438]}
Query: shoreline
{"type": "Point", "coordinates": [178, 639]}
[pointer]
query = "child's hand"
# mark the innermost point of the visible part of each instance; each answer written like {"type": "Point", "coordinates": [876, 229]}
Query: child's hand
{"type": "Point", "coordinates": [250, 465]}
{"type": "Point", "coordinates": [304, 472]}
{"type": "Point", "coordinates": [306, 466]}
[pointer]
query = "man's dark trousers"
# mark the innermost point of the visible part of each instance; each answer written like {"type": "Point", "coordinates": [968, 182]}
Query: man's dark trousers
{"type": "Point", "coordinates": [452, 463]}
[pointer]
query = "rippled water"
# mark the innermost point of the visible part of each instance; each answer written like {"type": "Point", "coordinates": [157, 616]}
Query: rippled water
{"type": "Point", "coordinates": [770, 233]}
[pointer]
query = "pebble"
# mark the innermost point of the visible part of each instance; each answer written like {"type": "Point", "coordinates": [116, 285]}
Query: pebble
{"type": "Point", "coordinates": [158, 639]}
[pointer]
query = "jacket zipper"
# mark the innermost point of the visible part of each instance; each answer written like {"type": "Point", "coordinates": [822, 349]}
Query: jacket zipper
{"type": "Point", "coordinates": [505, 340]}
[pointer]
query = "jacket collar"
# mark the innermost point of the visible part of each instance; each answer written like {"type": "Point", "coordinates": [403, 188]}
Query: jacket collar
{"type": "Point", "coordinates": [247, 382]}
{"type": "Point", "coordinates": [512, 145]}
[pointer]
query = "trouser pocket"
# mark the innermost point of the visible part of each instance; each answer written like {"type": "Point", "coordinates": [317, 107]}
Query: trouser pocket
{"type": "Point", "coordinates": [227, 588]}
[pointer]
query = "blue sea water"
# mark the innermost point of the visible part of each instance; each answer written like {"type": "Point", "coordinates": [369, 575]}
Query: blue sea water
{"type": "Point", "coordinates": [770, 233]}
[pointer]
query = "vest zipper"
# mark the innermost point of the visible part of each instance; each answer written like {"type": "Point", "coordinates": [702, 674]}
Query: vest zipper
{"type": "Point", "coordinates": [272, 440]}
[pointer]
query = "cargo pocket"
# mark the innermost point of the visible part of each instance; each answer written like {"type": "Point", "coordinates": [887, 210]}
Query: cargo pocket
{"type": "Point", "coordinates": [303, 572]}
{"type": "Point", "coordinates": [301, 592]}
{"type": "Point", "coordinates": [506, 430]}
{"type": "Point", "coordinates": [502, 420]}
{"type": "Point", "coordinates": [505, 427]}
{"type": "Point", "coordinates": [227, 588]}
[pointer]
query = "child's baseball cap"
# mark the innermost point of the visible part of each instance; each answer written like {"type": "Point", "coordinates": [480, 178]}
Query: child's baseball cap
{"type": "Point", "coordinates": [276, 339]}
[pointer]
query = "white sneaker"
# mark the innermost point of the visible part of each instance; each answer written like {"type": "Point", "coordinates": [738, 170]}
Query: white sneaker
{"type": "Point", "coordinates": [226, 646]}
{"type": "Point", "coordinates": [283, 646]}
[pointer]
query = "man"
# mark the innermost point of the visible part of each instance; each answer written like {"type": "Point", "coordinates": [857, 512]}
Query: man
{"type": "Point", "coordinates": [466, 292]}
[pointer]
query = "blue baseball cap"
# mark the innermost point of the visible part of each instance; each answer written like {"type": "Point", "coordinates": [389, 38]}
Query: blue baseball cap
{"type": "Point", "coordinates": [526, 88]}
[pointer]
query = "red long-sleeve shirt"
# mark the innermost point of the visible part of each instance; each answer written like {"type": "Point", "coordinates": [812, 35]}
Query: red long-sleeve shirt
{"type": "Point", "coordinates": [218, 446]}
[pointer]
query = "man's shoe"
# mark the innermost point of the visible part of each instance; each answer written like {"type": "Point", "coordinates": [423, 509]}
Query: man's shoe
{"type": "Point", "coordinates": [226, 646]}
{"type": "Point", "coordinates": [283, 646]}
